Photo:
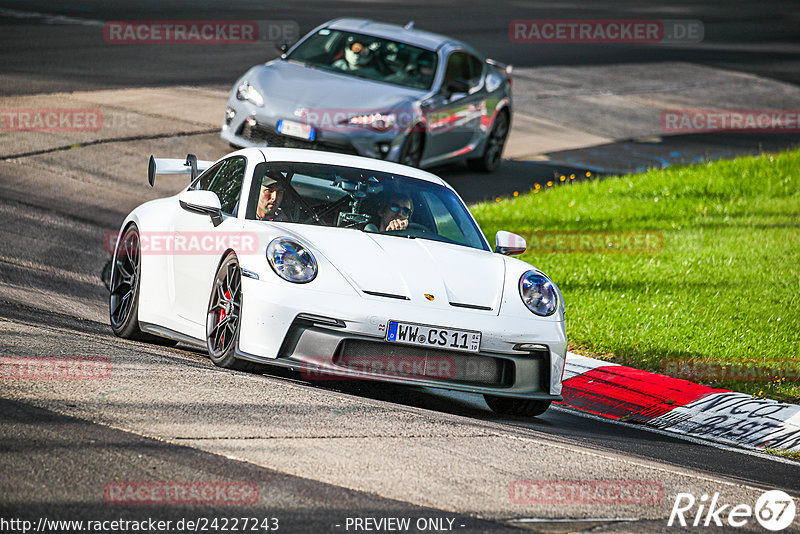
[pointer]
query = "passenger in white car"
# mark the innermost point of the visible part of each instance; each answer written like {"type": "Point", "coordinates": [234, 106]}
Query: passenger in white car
{"type": "Point", "coordinates": [394, 214]}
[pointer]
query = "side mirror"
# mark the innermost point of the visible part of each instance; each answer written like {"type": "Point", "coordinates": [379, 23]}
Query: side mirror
{"type": "Point", "coordinates": [151, 171]}
{"type": "Point", "coordinates": [202, 202]}
{"type": "Point", "coordinates": [456, 86]}
{"type": "Point", "coordinates": [191, 162]}
{"type": "Point", "coordinates": [509, 244]}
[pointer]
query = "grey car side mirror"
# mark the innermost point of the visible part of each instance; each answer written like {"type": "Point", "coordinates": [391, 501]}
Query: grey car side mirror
{"type": "Point", "coordinates": [456, 86]}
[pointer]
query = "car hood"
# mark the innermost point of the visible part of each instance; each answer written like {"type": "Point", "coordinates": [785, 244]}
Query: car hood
{"type": "Point", "coordinates": [386, 267]}
{"type": "Point", "coordinates": [290, 90]}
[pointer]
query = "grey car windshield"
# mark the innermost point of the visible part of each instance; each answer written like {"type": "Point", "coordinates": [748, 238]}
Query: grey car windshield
{"type": "Point", "coordinates": [366, 200]}
{"type": "Point", "coordinates": [368, 57]}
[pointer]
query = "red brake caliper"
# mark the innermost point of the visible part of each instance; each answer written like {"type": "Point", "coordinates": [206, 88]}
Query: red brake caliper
{"type": "Point", "coordinates": [222, 316]}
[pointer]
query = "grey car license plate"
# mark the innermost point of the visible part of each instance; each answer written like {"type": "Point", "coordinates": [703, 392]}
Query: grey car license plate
{"type": "Point", "coordinates": [296, 129]}
{"type": "Point", "coordinates": [433, 336]}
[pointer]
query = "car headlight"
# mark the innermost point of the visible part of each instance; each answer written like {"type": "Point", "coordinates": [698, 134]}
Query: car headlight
{"type": "Point", "coordinates": [291, 261]}
{"type": "Point", "coordinates": [376, 121]}
{"type": "Point", "coordinates": [538, 293]}
{"type": "Point", "coordinates": [245, 91]}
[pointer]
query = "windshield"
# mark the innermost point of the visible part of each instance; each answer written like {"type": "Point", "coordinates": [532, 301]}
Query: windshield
{"type": "Point", "coordinates": [370, 201]}
{"type": "Point", "coordinates": [368, 57]}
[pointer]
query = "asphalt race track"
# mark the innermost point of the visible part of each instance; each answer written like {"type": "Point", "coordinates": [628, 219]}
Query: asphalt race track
{"type": "Point", "coordinates": [320, 455]}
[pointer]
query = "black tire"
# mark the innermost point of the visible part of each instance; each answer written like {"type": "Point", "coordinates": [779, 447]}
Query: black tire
{"type": "Point", "coordinates": [493, 152]}
{"type": "Point", "coordinates": [123, 284]}
{"type": "Point", "coordinates": [523, 407]}
{"type": "Point", "coordinates": [411, 153]}
{"type": "Point", "coordinates": [123, 301]}
{"type": "Point", "coordinates": [222, 319]}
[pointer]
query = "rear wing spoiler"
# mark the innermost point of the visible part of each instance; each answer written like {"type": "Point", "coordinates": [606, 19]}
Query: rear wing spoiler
{"type": "Point", "coordinates": [191, 166]}
{"type": "Point", "coordinates": [501, 66]}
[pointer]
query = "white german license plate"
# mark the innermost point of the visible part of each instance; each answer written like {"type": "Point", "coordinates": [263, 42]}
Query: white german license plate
{"type": "Point", "coordinates": [433, 336]}
{"type": "Point", "coordinates": [296, 129]}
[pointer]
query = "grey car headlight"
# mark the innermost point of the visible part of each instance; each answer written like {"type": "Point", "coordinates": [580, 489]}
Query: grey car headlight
{"type": "Point", "coordinates": [538, 293]}
{"type": "Point", "coordinates": [377, 121]}
{"type": "Point", "coordinates": [291, 261]}
{"type": "Point", "coordinates": [245, 91]}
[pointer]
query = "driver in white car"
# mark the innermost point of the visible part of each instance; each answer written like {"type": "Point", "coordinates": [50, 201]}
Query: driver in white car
{"type": "Point", "coordinates": [269, 201]}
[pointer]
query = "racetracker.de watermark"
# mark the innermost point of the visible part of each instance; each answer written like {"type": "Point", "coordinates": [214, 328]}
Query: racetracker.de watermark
{"type": "Point", "coordinates": [360, 368]}
{"type": "Point", "coordinates": [349, 119]}
{"type": "Point", "coordinates": [746, 371]}
{"type": "Point", "coordinates": [127, 32]}
{"type": "Point", "coordinates": [181, 493]}
{"type": "Point", "coordinates": [606, 31]}
{"type": "Point", "coordinates": [594, 242]}
{"type": "Point", "coordinates": [586, 492]}
{"type": "Point", "coordinates": [196, 242]}
{"type": "Point", "coordinates": [56, 368]}
{"type": "Point", "coordinates": [50, 120]}
{"type": "Point", "coordinates": [682, 121]}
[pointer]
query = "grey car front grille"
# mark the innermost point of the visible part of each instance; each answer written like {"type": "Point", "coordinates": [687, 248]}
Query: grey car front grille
{"type": "Point", "coordinates": [264, 133]}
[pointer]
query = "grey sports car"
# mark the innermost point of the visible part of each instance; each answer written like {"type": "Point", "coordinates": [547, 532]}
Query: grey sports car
{"type": "Point", "coordinates": [376, 90]}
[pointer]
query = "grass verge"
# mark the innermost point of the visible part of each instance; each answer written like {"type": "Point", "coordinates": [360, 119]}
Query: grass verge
{"type": "Point", "coordinates": [710, 293]}
{"type": "Point", "coordinates": [785, 454]}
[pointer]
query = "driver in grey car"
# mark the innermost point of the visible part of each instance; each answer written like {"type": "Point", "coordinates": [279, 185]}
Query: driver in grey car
{"type": "Point", "coordinates": [358, 56]}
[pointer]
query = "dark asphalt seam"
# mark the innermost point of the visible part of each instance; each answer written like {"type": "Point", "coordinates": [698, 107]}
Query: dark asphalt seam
{"type": "Point", "coordinates": [607, 92]}
{"type": "Point", "coordinates": [30, 207]}
{"type": "Point", "coordinates": [107, 141]}
{"type": "Point", "coordinates": [47, 269]}
{"type": "Point", "coordinates": [364, 436]}
{"type": "Point", "coordinates": [105, 330]}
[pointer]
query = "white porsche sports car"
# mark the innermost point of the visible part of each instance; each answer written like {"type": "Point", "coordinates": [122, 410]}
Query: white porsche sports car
{"type": "Point", "coordinates": [340, 267]}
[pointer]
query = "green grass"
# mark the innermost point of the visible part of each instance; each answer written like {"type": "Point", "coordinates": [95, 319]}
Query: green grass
{"type": "Point", "coordinates": [724, 288]}
{"type": "Point", "coordinates": [785, 454]}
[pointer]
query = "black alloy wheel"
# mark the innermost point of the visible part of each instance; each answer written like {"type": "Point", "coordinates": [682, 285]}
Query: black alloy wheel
{"type": "Point", "coordinates": [224, 317]}
{"type": "Point", "coordinates": [123, 303]}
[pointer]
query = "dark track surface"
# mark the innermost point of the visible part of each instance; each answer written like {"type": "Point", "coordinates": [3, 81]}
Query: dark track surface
{"type": "Point", "coordinates": [760, 38]}
{"type": "Point", "coordinates": [74, 460]}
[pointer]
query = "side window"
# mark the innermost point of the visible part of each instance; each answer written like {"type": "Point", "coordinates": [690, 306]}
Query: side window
{"type": "Point", "coordinates": [457, 67]}
{"type": "Point", "coordinates": [475, 70]}
{"type": "Point", "coordinates": [204, 180]}
{"type": "Point", "coordinates": [464, 66]}
{"type": "Point", "coordinates": [226, 182]}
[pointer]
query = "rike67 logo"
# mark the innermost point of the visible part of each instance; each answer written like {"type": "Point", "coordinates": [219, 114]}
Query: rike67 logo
{"type": "Point", "coordinates": [775, 510]}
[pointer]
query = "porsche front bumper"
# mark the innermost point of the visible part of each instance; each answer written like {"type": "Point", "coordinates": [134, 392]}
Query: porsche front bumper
{"type": "Point", "coordinates": [328, 343]}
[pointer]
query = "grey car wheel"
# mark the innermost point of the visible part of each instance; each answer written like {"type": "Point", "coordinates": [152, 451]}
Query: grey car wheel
{"type": "Point", "coordinates": [492, 154]}
{"type": "Point", "coordinates": [411, 153]}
